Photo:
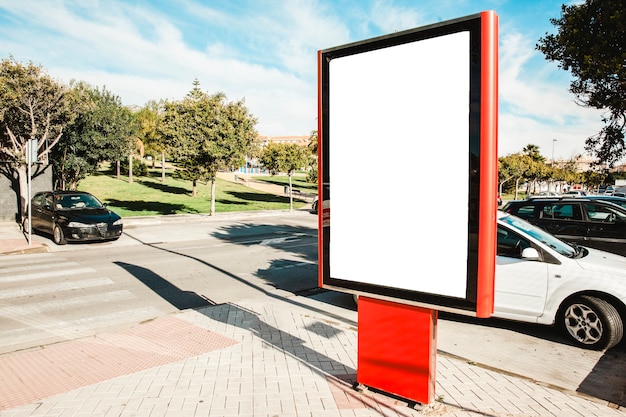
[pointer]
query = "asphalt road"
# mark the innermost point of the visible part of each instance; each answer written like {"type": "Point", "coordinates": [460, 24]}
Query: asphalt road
{"type": "Point", "coordinates": [162, 265]}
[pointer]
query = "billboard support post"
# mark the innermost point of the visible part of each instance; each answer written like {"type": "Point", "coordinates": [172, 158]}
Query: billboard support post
{"type": "Point", "coordinates": [397, 349]}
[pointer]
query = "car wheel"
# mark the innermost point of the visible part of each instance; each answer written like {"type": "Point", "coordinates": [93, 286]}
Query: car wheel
{"type": "Point", "coordinates": [592, 323]}
{"type": "Point", "coordinates": [57, 235]}
{"type": "Point", "coordinates": [25, 225]}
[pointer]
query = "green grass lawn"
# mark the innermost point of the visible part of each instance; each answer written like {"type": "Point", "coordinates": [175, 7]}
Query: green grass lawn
{"type": "Point", "coordinates": [148, 196]}
{"type": "Point", "coordinates": [511, 196]}
{"type": "Point", "coordinates": [297, 181]}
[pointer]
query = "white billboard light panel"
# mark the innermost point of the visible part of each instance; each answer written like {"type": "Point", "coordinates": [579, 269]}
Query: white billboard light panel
{"type": "Point", "coordinates": [403, 123]}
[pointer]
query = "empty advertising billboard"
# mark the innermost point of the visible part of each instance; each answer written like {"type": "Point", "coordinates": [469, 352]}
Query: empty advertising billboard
{"type": "Point", "coordinates": [408, 165]}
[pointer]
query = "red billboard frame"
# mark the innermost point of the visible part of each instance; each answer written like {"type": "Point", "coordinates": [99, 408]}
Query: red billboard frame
{"type": "Point", "coordinates": [482, 172]}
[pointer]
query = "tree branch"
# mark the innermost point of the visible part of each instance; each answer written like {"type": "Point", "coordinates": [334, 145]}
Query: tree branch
{"type": "Point", "coordinates": [54, 142]}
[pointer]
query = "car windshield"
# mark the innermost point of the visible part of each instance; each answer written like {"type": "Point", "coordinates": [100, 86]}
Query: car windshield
{"type": "Point", "coordinates": [565, 249]}
{"type": "Point", "coordinates": [76, 201]}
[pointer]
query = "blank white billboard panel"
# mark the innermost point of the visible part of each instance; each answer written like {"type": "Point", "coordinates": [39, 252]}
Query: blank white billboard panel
{"type": "Point", "coordinates": [400, 124]}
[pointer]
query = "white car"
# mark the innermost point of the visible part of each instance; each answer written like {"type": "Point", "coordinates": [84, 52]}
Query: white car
{"type": "Point", "coordinates": [541, 279]}
{"type": "Point", "coordinates": [574, 193]}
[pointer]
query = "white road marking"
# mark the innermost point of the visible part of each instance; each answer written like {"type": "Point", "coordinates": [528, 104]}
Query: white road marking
{"type": "Point", "coordinates": [51, 288]}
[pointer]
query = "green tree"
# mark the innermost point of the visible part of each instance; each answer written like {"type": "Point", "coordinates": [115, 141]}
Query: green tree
{"type": "Point", "coordinates": [285, 158]}
{"type": "Point", "coordinates": [590, 44]}
{"type": "Point", "coordinates": [533, 152]}
{"type": "Point", "coordinates": [148, 119]}
{"type": "Point", "coordinates": [204, 134]}
{"type": "Point", "coordinates": [536, 170]}
{"type": "Point", "coordinates": [187, 126]}
{"type": "Point", "coordinates": [103, 130]}
{"type": "Point", "coordinates": [566, 173]}
{"type": "Point", "coordinates": [594, 178]}
{"type": "Point", "coordinates": [33, 109]}
{"type": "Point", "coordinates": [514, 167]}
{"type": "Point", "coordinates": [312, 175]}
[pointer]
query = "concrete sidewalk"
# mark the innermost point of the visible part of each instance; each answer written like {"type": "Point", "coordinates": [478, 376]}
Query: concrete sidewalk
{"type": "Point", "coordinates": [13, 241]}
{"type": "Point", "coordinates": [273, 356]}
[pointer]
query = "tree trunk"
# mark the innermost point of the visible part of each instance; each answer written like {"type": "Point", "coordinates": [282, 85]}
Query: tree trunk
{"type": "Point", "coordinates": [517, 186]}
{"type": "Point", "coordinates": [118, 169]}
{"type": "Point", "coordinates": [193, 188]}
{"type": "Point", "coordinates": [130, 169]}
{"type": "Point", "coordinates": [162, 166]}
{"type": "Point", "coordinates": [212, 210]}
{"type": "Point", "coordinates": [290, 193]}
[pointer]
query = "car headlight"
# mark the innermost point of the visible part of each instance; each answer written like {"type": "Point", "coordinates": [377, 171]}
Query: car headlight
{"type": "Point", "coordinates": [117, 222]}
{"type": "Point", "coordinates": [78, 224]}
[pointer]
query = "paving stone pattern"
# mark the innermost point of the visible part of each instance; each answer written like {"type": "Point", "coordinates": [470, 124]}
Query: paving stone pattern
{"type": "Point", "coordinates": [261, 358]}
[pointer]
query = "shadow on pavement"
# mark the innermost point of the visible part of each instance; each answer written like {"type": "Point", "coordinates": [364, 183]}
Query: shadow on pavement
{"type": "Point", "coordinates": [605, 381]}
{"type": "Point", "coordinates": [530, 329]}
{"type": "Point", "coordinates": [162, 285]}
{"type": "Point", "coordinates": [149, 206]}
{"type": "Point", "coordinates": [180, 299]}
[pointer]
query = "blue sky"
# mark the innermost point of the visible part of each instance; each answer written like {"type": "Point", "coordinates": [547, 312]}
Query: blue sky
{"type": "Point", "coordinates": [265, 52]}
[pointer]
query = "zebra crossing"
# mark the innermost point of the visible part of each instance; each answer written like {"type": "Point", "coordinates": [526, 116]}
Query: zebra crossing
{"type": "Point", "coordinates": [46, 299]}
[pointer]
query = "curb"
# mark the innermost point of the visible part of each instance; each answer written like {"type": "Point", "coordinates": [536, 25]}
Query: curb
{"type": "Point", "coordinates": [19, 247]}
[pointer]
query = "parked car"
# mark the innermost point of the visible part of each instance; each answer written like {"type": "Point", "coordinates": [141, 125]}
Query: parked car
{"type": "Point", "coordinates": [542, 279]}
{"type": "Point", "coordinates": [545, 194]}
{"type": "Point", "coordinates": [314, 205]}
{"type": "Point", "coordinates": [574, 193]}
{"type": "Point", "coordinates": [73, 216]}
{"type": "Point", "coordinates": [592, 223]}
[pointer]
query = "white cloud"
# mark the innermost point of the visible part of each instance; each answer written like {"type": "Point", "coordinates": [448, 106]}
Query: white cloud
{"type": "Point", "coordinates": [265, 52]}
{"type": "Point", "coordinates": [141, 56]}
{"type": "Point", "coordinates": [533, 109]}
{"type": "Point", "coordinates": [391, 18]}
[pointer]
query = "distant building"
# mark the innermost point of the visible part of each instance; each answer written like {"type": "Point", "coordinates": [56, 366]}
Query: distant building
{"type": "Point", "coordinates": [582, 163]}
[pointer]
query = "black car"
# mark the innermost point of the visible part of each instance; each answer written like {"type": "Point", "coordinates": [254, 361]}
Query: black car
{"type": "Point", "coordinates": [73, 216]}
{"type": "Point", "coordinates": [592, 223]}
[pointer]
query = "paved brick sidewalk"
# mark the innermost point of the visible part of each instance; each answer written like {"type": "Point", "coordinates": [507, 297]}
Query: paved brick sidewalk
{"type": "Point", "coordinates": [264, 357]}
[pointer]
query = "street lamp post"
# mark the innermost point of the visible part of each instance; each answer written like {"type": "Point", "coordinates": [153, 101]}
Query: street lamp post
{"type": "Point", "coordinates": [552, 160]}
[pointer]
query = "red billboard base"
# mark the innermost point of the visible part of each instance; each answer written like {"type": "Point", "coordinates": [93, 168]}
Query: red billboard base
{"type": "Point", "coordinates": [397, 349]}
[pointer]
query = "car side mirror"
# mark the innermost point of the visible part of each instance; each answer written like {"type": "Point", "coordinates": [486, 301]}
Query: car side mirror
{"type": "Point", "coordinates": [530, 254]}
